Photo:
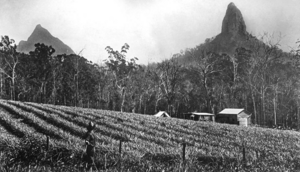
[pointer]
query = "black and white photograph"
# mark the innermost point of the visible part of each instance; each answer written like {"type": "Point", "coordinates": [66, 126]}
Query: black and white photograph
{"type": "Point", "coordinates": [150, 86]}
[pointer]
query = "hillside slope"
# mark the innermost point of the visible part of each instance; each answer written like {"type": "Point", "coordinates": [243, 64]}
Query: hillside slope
{"type": "Point", "coordinates": [155, 143]}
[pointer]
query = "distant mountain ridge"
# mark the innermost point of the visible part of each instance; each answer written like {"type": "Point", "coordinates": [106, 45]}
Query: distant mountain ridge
{"type": "Point", "coordinates": [42, 35]}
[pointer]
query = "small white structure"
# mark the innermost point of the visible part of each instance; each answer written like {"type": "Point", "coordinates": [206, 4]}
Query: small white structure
{"type": "Point", "coordinates": [243, 122]}
{"type": "Point", "coordinates": [162, 114]}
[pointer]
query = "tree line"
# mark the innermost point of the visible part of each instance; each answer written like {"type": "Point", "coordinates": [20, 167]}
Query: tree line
{"type": "Point", "coordinates": [260, 78]}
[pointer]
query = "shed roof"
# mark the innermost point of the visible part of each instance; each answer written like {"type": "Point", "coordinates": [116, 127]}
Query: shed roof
{"type": "Point", "coordinates": [202, 114]}
{"type": "Point", "coordinates": [231, 111]}
{"type": "Point", "coordinates": [162, 114]}
{"type": "Point", "coordinates": [243, 115]}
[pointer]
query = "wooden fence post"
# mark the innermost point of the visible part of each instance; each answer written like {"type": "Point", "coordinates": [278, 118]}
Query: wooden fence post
{"type": "Point", "coordinates": [120, 153]}
{"type": "Point", "coordinates": [256, 153]}
{"type": "Point", "coordinates": [120, 147]}
{"type": "Point", "coordinates": [47, 143]}
{"type": "Point", "coordinates": [244, 155]}
{"type": "Point", "coordinates": [183, 155]}
{"type": "Point", "coordinates": [183, 152]}
{"type": "Point", "coordinates": [122, 138]}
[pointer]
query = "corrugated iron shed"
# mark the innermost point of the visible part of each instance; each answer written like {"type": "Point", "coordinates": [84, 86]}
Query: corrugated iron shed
{"type": "Point", "coordinates": [231, 111]}
{"type": "Point", "coordinates": [234, 116]}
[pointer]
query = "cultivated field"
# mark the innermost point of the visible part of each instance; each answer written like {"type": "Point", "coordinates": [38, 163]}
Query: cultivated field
{"type": "Point", "coordinates": [148, 143]}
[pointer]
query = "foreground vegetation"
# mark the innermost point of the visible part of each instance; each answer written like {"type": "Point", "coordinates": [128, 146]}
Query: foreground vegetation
{"type": "Point", "coordinates": [150, 144]}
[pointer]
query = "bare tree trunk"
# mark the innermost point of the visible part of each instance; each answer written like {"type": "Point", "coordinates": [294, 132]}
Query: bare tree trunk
{"type": "Point", "coordinates": [11, 94]}
{"type": "Point", "coordinates": [275, 104]}
{"type": "Point", "coordinates": [263, 105]}
{"type": "Point", "coordinates": [76, 82]}
{"type": "Point", "coordinates": [107, 102]}
{"type": "Point", "coordinates": [40, 99]}
{"type": "Point", "coordinates": [156, 104]}
{"type": "Point", "coordinates": [177, 109]}
{"type": "Point", "coordinates": [145, 107]}
{"type": "Point", "coordinates": [1, 84]}
{"type": "Point", "coordinates": [65, 100]}
{"type": "Point", "coordinates": [123, 99]}
{"type": "Point", "coordinates": [13, 87]}
{"type": "Point", "coordinates": [44, 93]}
{"type": "Point", "coordinates": [140, 103]}
{"type": "Point", "coordinates": [53, 94]}
{"type": "Point", "coordinates": [114, 104]}
{"type": "Point", "coordinates": [298, 120]}
{"type": "Point", "coordinates": [254, 107]}
{"type": "Point", "coordinates": [275, 116]}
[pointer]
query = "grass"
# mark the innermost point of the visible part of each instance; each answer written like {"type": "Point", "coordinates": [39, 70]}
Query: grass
{"type": "Point", "coordinates": [153, 144]}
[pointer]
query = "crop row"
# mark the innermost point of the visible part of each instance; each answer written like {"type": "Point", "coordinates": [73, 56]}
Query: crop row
{"type": "Point", "coordinates": [106, 127]}
{"type": "Point", "coordinates": [146, 125]}
{"type": "Point", "coordinates": [207, 134]}
{"type": "Point", "coordinates": [37, 125]}
{"type": "Point", "coordinates": [149, 131]}
{"type": "Point", "coordinates": [149, 134]}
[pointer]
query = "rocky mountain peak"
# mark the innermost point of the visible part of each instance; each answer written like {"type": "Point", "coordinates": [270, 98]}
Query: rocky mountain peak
{"type": "Point", "coordinates": [39, 34]}
{"type": "Point", "coordinates": [42, 35]}
{"type": "Point", "coordinates": [233, 22]}
{"type": "Point", "coordinates": [233, 33]}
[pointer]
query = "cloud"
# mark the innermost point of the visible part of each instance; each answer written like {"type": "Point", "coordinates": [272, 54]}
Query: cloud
{"type": "Point", "coordinates": [154, 29]}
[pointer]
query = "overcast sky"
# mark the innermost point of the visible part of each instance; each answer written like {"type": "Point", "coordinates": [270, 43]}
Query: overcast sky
{"type": "Point", "coordinates": [154, 29]}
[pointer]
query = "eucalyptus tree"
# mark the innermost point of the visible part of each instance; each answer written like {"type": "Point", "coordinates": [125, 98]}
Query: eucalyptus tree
{"type": "Point", "coordinates": [42, 71]}
{"type": "Point", "coordinates": [170, 78]}
{"type": "Point", "coordinates": [265, 55]}
{"type": "Point", "coordinates": [9, 60]}
{"type": "Point", "coordinates": [122, 70]}
{"type": "Point", "coordinates": [102, 77]}
{"type": "Point", "coordinates": [205, 67]}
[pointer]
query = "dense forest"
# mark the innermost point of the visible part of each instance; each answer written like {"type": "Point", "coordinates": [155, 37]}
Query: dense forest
{"type": "Point", "coordinates": [260, 78]}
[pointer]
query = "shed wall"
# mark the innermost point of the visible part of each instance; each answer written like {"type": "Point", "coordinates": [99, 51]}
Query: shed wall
{"type": "Point", "coordinates": [227, 118]}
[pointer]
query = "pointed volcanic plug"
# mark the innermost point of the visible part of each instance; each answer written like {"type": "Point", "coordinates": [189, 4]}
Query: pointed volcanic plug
{"type": "Point", "coordinates": [233, 22]}
{"type": "Point", "coordinates": [233, 32]}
